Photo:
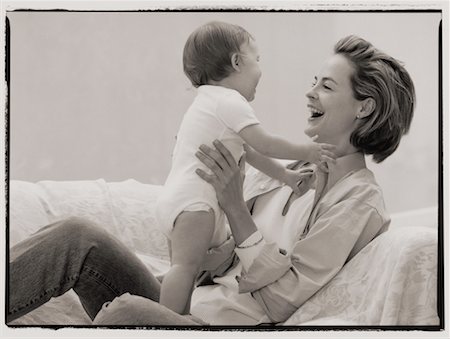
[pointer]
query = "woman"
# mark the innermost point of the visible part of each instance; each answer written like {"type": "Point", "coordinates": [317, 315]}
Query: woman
{"type": "Point", "coordinates": [362, 101]}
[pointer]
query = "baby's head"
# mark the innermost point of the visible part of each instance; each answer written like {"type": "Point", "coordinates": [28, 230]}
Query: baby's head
{"type": "Point", "coordinates": [217, 51]}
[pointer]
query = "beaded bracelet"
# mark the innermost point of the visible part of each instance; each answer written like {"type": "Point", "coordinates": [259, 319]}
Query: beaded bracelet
{"type": "Point", "coordinates": [254, 244]}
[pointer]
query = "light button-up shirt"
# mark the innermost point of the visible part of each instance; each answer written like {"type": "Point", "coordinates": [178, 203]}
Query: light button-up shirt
{"type": "Point", "coordinates": [288, 269]}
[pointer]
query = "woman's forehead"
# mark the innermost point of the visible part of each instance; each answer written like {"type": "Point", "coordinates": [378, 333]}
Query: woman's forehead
{"type": "Point", "coordinates": [338, 68]}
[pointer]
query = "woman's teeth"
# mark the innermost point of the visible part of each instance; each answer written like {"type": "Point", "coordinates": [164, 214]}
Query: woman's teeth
{"type": "Point", "coordinates": [315, 113]}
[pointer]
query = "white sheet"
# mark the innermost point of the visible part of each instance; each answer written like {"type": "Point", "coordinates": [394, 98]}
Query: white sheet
{"type": "Point", "coordinates": [390, 282]}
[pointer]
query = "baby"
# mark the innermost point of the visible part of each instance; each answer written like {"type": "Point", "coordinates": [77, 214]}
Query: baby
{"type": "Point", "coordinates": [221, 60]}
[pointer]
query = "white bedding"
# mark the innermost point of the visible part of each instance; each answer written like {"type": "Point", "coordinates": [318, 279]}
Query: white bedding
{"type": "Point", "coordinates": [390, 282]}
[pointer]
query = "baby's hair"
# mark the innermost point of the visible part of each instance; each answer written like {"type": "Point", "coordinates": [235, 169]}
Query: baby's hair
{"type": "Point", "coordinates": [385, 80]}
{"type": "Point", "coordinates": [208, 50]}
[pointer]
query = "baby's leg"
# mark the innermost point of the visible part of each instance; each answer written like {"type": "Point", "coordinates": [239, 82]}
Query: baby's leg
{"type": "Point", "coordinates": [190, 240]}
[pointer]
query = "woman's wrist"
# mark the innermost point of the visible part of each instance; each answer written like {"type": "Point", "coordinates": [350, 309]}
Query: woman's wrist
{"type": "Point", "coordinates": [241, 223]}
{"type": "Point", "coordinates": [249, 250]}
{"type": "Point", "coordinates": [230, 206]}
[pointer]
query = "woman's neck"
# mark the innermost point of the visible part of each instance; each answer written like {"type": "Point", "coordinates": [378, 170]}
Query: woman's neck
{"type": "Point", "coordinates": [343, 146]}
{"type": "Point", "coordinates": [344, 165]}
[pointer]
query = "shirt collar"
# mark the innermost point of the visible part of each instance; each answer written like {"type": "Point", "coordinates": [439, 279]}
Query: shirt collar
{"type": "Point", "coordinates": [344, 166]}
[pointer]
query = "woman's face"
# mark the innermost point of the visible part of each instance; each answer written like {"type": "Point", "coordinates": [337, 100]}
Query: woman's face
{"type": "Point", "coordinates": [331, 104]}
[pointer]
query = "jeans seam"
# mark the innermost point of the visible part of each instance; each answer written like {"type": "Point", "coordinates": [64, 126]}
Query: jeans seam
{"type": "Point", "coordinates": [42, 295]}
{"type": "Point", "coordinates": [101, 279]}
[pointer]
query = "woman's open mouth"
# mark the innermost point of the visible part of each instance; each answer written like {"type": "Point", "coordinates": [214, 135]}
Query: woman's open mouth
{"type": "Point", "coordinates": [315, 113]}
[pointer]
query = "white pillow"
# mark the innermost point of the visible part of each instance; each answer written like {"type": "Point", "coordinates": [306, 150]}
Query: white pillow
{"type": "Point", "coordinates": [27, 210]}
{"type": "Point", "coordinates": [133, 205]}
{"type": "Point", "coordinates": [125, 209]}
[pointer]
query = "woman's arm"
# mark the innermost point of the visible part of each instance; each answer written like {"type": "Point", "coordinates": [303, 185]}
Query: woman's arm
{"type": "Point", "coordinates": [227, 180]}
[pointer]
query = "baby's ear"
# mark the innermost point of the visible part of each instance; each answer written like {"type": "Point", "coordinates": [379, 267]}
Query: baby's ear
{"type": "Point", "coordinates": [235, 61]}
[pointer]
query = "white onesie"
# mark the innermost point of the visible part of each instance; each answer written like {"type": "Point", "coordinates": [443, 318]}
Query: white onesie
{"type": "Point", "coordinates": [216, 113]}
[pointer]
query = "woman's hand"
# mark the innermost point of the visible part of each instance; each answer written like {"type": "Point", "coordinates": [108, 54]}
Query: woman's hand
{"type": "Point", "coordinates": [227, 176]}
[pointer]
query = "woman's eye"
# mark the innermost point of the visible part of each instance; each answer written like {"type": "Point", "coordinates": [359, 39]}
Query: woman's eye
{"type": "Point", "coordinates": [326, 87]}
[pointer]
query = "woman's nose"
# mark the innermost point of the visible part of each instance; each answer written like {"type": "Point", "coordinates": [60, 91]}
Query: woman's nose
{"type": "Point", "coordinates": [311, 94]}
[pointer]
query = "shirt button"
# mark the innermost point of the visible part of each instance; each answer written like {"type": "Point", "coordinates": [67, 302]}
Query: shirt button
{"type": "Point", "coordinates": [263, 186]}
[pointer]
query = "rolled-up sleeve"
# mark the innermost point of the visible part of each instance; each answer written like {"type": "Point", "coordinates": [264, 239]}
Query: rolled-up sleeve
{"type": "Point", "coordinates": [250, 249]}
{"type": "Point", "coordinates": [282, 282]}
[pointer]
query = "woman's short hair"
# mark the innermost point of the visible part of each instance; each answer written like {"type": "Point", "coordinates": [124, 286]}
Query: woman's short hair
{"type": "Point", "coordinates": [385, 80]}
{"type": "Point", "coordinates": [208, 50]}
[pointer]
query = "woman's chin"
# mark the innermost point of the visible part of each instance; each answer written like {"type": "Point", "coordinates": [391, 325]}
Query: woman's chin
{"type": "Point", "coordinates": [310, 131]}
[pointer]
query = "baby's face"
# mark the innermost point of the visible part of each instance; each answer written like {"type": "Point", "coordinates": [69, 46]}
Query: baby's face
{"type": "Point", "coordinates": [249, 71]}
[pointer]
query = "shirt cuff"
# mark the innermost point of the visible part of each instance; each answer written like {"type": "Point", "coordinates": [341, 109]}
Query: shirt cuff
{"type": "Point", "coordinates": [248, 254]}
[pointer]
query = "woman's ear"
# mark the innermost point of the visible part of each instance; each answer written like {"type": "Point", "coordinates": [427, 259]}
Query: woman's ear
{"type": "Point", "coordinates": [367, 107]}
{"type": "Point", "coordinates": [235, 61]}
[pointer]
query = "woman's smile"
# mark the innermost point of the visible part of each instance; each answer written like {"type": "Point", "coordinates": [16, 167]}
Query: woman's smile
{"type": "Point", "coordinates": [315, 113]}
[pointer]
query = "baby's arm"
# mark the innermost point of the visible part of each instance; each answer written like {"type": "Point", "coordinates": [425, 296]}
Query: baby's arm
{"type": "Point", "coordinates": [276, 147]}
{"type": "Point", "coordinates": [190, 239]}
{"type": "Point", "coordinates": [274, 169]}
{"type": "Point", "coordinates": [267, 165]}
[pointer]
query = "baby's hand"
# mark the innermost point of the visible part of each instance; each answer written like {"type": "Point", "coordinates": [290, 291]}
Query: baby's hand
{"type": "Point", "coordinates": [320, 153]}
{"type": "Point", "coordinates": [294, 178]}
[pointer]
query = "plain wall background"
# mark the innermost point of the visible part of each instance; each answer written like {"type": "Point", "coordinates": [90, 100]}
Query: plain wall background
{"type": "Point", "coordinates": [101, 94]}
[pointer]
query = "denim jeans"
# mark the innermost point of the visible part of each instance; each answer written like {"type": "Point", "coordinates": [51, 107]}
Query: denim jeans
{"type": "Point", "coordinates": [111, 282]}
